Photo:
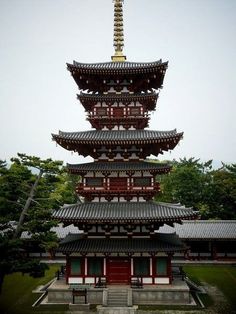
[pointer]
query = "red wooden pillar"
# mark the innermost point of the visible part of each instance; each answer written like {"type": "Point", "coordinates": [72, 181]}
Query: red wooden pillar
{"type": "Point", "coordinates": [169, 267]}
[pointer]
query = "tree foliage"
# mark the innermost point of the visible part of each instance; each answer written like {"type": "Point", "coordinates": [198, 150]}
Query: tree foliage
{"type": "Point", "coordinates": [196, 184]}
{"type": "Point", "coordinates": [29, 189]}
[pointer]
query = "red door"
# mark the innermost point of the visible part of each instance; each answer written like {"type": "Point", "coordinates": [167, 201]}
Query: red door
{"type": "Point", "coordinates": [118, 183]}
{"type": "Point", "coordinates": [118, 112]}
{"type": "Point", "coordinates": [118, 271]}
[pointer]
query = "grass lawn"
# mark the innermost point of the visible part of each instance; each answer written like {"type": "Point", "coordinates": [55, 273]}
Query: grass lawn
{"type": "Point", "coordinates": [17, 296]}
{"type": "Point", "coordinates": [223, 277]}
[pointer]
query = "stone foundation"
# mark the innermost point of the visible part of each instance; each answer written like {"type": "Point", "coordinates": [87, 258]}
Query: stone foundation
{"type": "Point", "coordinates": [176, 293]}
{"type": "Point", "coordinates": [79, 307]}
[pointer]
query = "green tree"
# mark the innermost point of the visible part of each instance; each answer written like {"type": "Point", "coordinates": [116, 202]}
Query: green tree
{"type": "Point", "coordinates": [220, 202]}
{"type": "Point", "coordinates": [186, 182]}
{"type": "Point", "coordinates": [29, 189]}
{"type": "Point", "coordinates": [44, 167]}
{"type": "Point", "coordinates": [195, 184]}
{"type": "Point", "coordinates": [14, 186]}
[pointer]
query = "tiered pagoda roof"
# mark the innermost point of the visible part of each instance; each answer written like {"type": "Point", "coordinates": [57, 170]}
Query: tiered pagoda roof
{"type": "Point", "coordinates": [138, 76]}
{"type": "Point", "coordinates": [160, 243]}
{"type": "Point", "coordinates": [84, 142]}
{"type": "Point", "coordinates": [118, 214]}
{"type": "Point", "coordinates": [107, 167]}
{"type": "Point", "coordinates": [147, 99]}
{"type": "Point", "coordinates": [124, 212]}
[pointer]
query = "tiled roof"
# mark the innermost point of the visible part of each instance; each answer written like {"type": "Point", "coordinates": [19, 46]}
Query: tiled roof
{"type": "Point", "coordinates": [161, 243]}
{"type": "Point", "coordinates": [118, 67]}
{"type": "Point", "coordinates": [118, 97]}
{"type": "Point", "coordinates": [118, 136]}
{"type": "Point", "coordinates": [204, 230]}
{"type": "Point", "coordinates": [123, 212]}
{"type": "Point", "coordinates": [119, 166]}
{"type": "Point", "coordinates": [148, 98]}
{"type": "Point", "coordinates": [60, 231]}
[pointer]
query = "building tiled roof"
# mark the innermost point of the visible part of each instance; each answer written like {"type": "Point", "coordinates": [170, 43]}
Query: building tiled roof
{"type": "Point", "coordinates": [139, 77]}
{"type": "Point", "coordinates": [123, 212]}
{"type": "Point", "coordinates": [119, 166]}
{"type": "Point", "coordinates": [118, 137]}
{"type": "Point", "coordinates": [204, 230]}
{"type": "Point", "coordinates": [162, 243]}
{"type": "Point", "coordinates": [118, 67]}
{"type": "Point", "coordinates": [60, 231]}
{"type": "Point", "coordinates": [88, 100]}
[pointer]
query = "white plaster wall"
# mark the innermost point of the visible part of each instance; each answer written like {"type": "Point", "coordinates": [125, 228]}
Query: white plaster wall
{"type": "Point", "coordinates": [147, 280]}
{"type": "Point", "coordinates": [89, 280]}
{"type": "Point", "coordinates": [163, 281]}
{"type": "Point", "coordinates": [74, 280]}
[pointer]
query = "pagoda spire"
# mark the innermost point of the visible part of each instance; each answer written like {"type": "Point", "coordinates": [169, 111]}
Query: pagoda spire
{"type": "Point", "coordinates": [118, 37]}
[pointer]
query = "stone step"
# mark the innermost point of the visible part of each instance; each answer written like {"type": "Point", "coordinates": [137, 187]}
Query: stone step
{"type": "Point", "coordinates": [117, 303]}
{"type": "Point", "coordinates": [117, 292]}
{"type": "Point", "coordinates": [117, 298]}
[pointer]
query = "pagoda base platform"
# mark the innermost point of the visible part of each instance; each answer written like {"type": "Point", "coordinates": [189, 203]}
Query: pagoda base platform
{"type": "Point", "coordinates": [176, 293]}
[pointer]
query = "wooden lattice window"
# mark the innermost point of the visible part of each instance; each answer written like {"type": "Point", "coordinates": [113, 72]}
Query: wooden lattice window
{"type": "Point", "coordinates": [118, 112]}
{"type": "Point", "coordinates": [135, 111]}
{"type": "Point", "coordinates": [76, 266]}
{"type": "Point", "coordinates": [141, 266]}
{"type": "Point", "coordinates": [102, 111]}
{"type": "Point", "coordinates": [142, 182]}
{"type": "Point", "coordinates": [94, 181]}
{"type": "Point", "coordinates": [118, 183]}
{"type": "Point", "coordinates": [95, 266]}
{"type": "Point", "coordinates": [161, 266]}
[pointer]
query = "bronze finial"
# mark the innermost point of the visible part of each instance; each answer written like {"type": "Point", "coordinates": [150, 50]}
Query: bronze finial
{"type": "Point", "coordinates": [118, 41]}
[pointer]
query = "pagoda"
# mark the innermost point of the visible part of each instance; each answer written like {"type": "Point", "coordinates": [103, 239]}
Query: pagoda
{"type": "Point", "coordinates": [118, 218]}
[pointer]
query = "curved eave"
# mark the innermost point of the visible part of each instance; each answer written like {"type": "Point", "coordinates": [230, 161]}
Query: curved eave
{"type": "Point", "coordinates": [127, 246]}
{"type": "Point", "coordinates": [87, 141]}
{"type": "Point", "coordinates": [119, 68]}
{"type": "Point", "coordinates": [141, 76]}
{"type": "Point", "coordinates": [147, 99]}
{"type": "Point", "coordinates": [118, 213]}
{"type": "Point", "coordinates": [154, 168]}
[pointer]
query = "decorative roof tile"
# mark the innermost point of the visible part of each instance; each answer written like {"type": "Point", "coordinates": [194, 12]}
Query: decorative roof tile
{"type": "Point", "coordinates": [119, 166]}
{"type": "Point", "coordinates": [119, 67]}
{"type": "Point", "coordinates": [119, 136]}
{"type": "Point", "coordinates": [60, 231]}
{"type": "Point", "coordinates": [162, 243]}
{"type": "Point", "coordinates": [140, 76]}
{"type": "Point", "coordinates": [118, 97]}
{"type": "Point", "coordinates": [204, 230]}
{"type": "Point", "coordinates": [123, 212]}
{"type": "Point", "coordinates": [88, 100]}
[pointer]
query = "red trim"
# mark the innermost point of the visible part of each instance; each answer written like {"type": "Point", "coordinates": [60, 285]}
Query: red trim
{"type": "Point", "coordinates": [118, 270]}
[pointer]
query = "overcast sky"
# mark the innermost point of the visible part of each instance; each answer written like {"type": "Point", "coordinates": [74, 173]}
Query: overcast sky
{"type": "Point", "coordinates": [38, 95]}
